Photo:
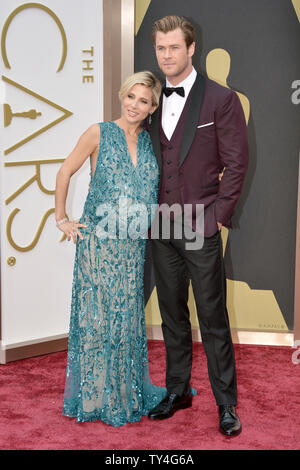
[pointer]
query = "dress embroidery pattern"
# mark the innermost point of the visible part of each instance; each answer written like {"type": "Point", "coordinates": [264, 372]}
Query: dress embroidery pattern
{"type": "Point", "coordinates": [107, 375]}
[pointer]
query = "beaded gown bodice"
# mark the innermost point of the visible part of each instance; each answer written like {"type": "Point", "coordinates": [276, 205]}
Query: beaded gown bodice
{"type": "Point", "coordinates": [115, 177]}
{"type": "Point", "coordinates": [107, 374]}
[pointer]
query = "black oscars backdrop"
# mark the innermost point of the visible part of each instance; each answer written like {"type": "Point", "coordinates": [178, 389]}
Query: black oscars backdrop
{"type": "Point", "coordinates": [252, 48]}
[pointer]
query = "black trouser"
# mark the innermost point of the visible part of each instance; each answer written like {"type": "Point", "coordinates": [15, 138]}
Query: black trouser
{"type": "Point", "coordinates": [174, 266]}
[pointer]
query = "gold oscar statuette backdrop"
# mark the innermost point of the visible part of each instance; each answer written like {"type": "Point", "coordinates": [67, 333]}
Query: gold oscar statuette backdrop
{"type": "Point", "coordinates": [249, 309]}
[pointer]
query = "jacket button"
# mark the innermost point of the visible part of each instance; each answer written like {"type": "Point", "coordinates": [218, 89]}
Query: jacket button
{"type": "Point", "coordinates": [169, 176]}
{"type": "Point", "coordinates": [167, 191]}
{"type": "Point", "coordinates": [170, 147]}
{"type": "Point", "coordinates": [169, 161]}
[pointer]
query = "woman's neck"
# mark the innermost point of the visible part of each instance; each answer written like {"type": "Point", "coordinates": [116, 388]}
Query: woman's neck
{"type": "Point", "coordinates": [130, 129]}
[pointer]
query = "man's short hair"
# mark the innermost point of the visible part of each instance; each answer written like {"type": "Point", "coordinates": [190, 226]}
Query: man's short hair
{"type": "Point", "coordinates": [170, 23]}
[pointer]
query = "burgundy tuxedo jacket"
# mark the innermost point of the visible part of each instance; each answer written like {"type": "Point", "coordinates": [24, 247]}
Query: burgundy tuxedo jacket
{"type": "Point", "coordinates": [213, 136]}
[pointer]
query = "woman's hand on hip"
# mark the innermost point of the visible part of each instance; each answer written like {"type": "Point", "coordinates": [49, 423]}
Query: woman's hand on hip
{"type": "Point", "coordinates": [70, 228]}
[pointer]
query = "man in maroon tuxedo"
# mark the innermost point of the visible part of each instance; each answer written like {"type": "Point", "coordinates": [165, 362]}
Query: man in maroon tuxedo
{"type": "Point", "coordinates": [198, 129]}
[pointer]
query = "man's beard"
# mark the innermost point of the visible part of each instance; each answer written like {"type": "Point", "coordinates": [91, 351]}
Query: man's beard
{"type": "Point", "coordinates": [178, 72]}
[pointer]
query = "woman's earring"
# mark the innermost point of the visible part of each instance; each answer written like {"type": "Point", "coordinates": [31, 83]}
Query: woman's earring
{"type": "Point", "coordinates": [150, 118]}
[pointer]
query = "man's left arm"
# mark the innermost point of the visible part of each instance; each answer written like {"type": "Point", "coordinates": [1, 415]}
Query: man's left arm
{"type": "Point", "coordinates": [234, 155]}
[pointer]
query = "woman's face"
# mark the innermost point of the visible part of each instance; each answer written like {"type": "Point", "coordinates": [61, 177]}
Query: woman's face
{"type": "Point", "coordinates": [137, 104]}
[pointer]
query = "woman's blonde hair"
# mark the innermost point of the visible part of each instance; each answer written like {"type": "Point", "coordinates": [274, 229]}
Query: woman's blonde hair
{"type": "Point", "coordinates": [145, 78]}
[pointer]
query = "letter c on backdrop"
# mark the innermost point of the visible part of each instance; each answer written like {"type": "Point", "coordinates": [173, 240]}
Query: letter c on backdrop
{"type": "Point", "coordinates": [47, 10]}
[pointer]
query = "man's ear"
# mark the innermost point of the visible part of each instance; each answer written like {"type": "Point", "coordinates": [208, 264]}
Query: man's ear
{"type": "Point", "coordinates": [191, 49]}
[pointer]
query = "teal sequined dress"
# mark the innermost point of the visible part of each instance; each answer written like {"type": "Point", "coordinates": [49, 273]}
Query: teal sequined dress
{"type": "Point", "coordinates": [107, 374]}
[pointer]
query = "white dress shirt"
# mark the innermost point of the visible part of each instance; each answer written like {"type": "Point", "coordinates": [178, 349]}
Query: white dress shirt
{"type": "Point", "coordinates": [173, 105]}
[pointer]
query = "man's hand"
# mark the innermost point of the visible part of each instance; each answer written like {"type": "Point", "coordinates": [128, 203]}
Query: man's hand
{"type": "Point", "coordinates": [221, 174]}
{"type": "Point", "coordinates": [220, 177]}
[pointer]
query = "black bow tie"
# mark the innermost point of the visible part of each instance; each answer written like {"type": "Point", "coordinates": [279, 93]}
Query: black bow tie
{"type": "Point", "coordinates": [169, 90]}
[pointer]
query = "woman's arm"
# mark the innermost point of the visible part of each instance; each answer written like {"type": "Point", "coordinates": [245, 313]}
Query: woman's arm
{"type": "Point", "coordinates": [85, 146]}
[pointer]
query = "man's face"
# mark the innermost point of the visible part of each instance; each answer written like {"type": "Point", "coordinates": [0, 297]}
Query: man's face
{"type": "Point", "coordinates": [172, 54]}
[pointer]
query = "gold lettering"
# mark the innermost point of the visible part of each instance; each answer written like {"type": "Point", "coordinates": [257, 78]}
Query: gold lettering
{"type": "Point", "coordinates": [49, 12]}
{"type": "Point", "coordinates": [65, 115]}
{"type": "Point", "coordinates": [36, 177]}
{"type": "Point", "coordinates": [89, 51]}
{"type": "Point", "coordinates": [37, 236]}
{"type": "Point", "coordinates": [88, 78]}
{"type": "Point", "coordinates": [88, 64]}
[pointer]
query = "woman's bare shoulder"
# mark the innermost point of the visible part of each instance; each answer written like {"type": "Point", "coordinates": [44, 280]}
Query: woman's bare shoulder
{"type": "Point", "coordinates": [93, 132]}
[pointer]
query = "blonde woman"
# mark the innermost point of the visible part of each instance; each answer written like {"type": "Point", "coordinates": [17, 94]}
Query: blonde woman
{"type": "Point", "coordinates": [107, 369]}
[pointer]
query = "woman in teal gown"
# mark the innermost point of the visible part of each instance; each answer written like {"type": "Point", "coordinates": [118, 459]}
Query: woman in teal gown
{"type": "Point", "coordinates": [107, 375]}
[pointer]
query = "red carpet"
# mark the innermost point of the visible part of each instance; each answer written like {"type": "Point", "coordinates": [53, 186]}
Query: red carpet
{"type": "Point", "coordinates": [31, 398]}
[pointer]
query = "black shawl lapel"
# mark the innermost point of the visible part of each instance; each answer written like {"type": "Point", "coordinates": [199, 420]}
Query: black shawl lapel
{"type": "Point", "coordinates": [155, 135]}
{"type": "Point", "coordinates": [192, 117]}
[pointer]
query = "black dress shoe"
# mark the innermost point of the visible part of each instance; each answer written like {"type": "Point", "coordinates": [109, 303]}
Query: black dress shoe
{"type": "Point", "coordinates": [171, 403]}
{"type": "Point", "coordinates": [229, 421]}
